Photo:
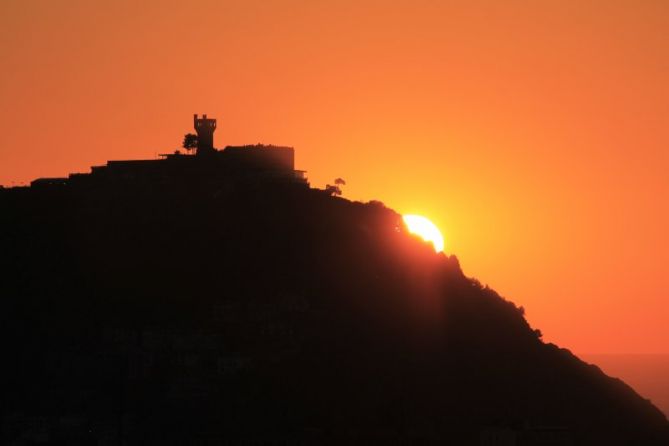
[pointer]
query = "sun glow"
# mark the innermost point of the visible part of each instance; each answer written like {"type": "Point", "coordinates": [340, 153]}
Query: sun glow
{"type": "Point", "coordinates": [425, 229]}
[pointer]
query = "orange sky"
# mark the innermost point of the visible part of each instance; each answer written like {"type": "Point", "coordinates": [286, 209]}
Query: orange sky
{"type": "Point", "coordinates": [533, 133]}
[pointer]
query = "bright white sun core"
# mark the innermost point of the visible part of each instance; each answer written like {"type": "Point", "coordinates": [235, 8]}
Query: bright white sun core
{"type": "Point", "coordinates": [425, 229]}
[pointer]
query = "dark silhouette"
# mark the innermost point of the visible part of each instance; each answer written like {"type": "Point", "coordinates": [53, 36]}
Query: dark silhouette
{"type": "Point", "coordinates": [335, 189]}
{"type": "Point", "coordinates": [219, 300]}
{"type": "Point", "coordinates": [205, 128]}
{"type": "Point", "coordinates": [190, 142]}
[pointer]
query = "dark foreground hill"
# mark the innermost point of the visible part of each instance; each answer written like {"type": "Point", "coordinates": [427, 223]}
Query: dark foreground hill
{"type": "Point", "coordinates": [271, 315]}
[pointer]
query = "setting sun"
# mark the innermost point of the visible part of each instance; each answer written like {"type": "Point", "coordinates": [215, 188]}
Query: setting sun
{"type": "Point", "coordinates": [425, 229]}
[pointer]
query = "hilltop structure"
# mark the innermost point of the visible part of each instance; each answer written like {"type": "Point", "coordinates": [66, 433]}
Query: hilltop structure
{"type": "Point", "coordinates": [257, 163]}
{"type": "Point", "coordinates": [205, 128]}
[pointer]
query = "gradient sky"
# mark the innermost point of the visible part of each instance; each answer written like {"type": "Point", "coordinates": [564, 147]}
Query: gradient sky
{"type": "Point", "coordinates": [533, 133]}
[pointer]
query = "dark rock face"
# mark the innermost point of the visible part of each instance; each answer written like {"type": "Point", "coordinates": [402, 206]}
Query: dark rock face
{"type": "Point", "coordinates": [271, 315]}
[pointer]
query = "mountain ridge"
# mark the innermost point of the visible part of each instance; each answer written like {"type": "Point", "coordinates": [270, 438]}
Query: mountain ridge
{"type": "Point", "coordinates": [269, 312]}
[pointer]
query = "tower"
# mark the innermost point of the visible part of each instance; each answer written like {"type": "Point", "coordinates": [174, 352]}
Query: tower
{"type": "Point", "coordinates": [205, 134]}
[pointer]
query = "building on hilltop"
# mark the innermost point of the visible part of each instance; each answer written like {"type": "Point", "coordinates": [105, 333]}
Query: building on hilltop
{"type": "Point", "coordinates": [204, 127]}
{"type": "Point", "coordinates": [248, 164]}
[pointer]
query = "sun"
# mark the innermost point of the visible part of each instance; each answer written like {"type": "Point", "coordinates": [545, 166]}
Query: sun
{"type": "Point", "coordinates": [425, 229]}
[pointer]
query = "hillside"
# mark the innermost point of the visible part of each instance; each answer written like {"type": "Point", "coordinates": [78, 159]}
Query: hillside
{"type": "Point", "coordinates": [271, 314]}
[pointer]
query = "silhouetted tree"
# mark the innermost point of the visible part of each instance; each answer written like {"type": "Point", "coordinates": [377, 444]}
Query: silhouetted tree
{"type": "Point", "coordinates": [190, 141]}
{"type": "Point", "coordinates": [335, 189]}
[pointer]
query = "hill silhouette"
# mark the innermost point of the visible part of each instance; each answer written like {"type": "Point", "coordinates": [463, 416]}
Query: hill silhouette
{"type": "Point", "coordinates": [271, 314]}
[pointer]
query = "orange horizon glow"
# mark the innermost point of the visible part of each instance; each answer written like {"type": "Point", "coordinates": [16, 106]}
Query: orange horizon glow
{"type": "Point", "coordinates": [536, 132]}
